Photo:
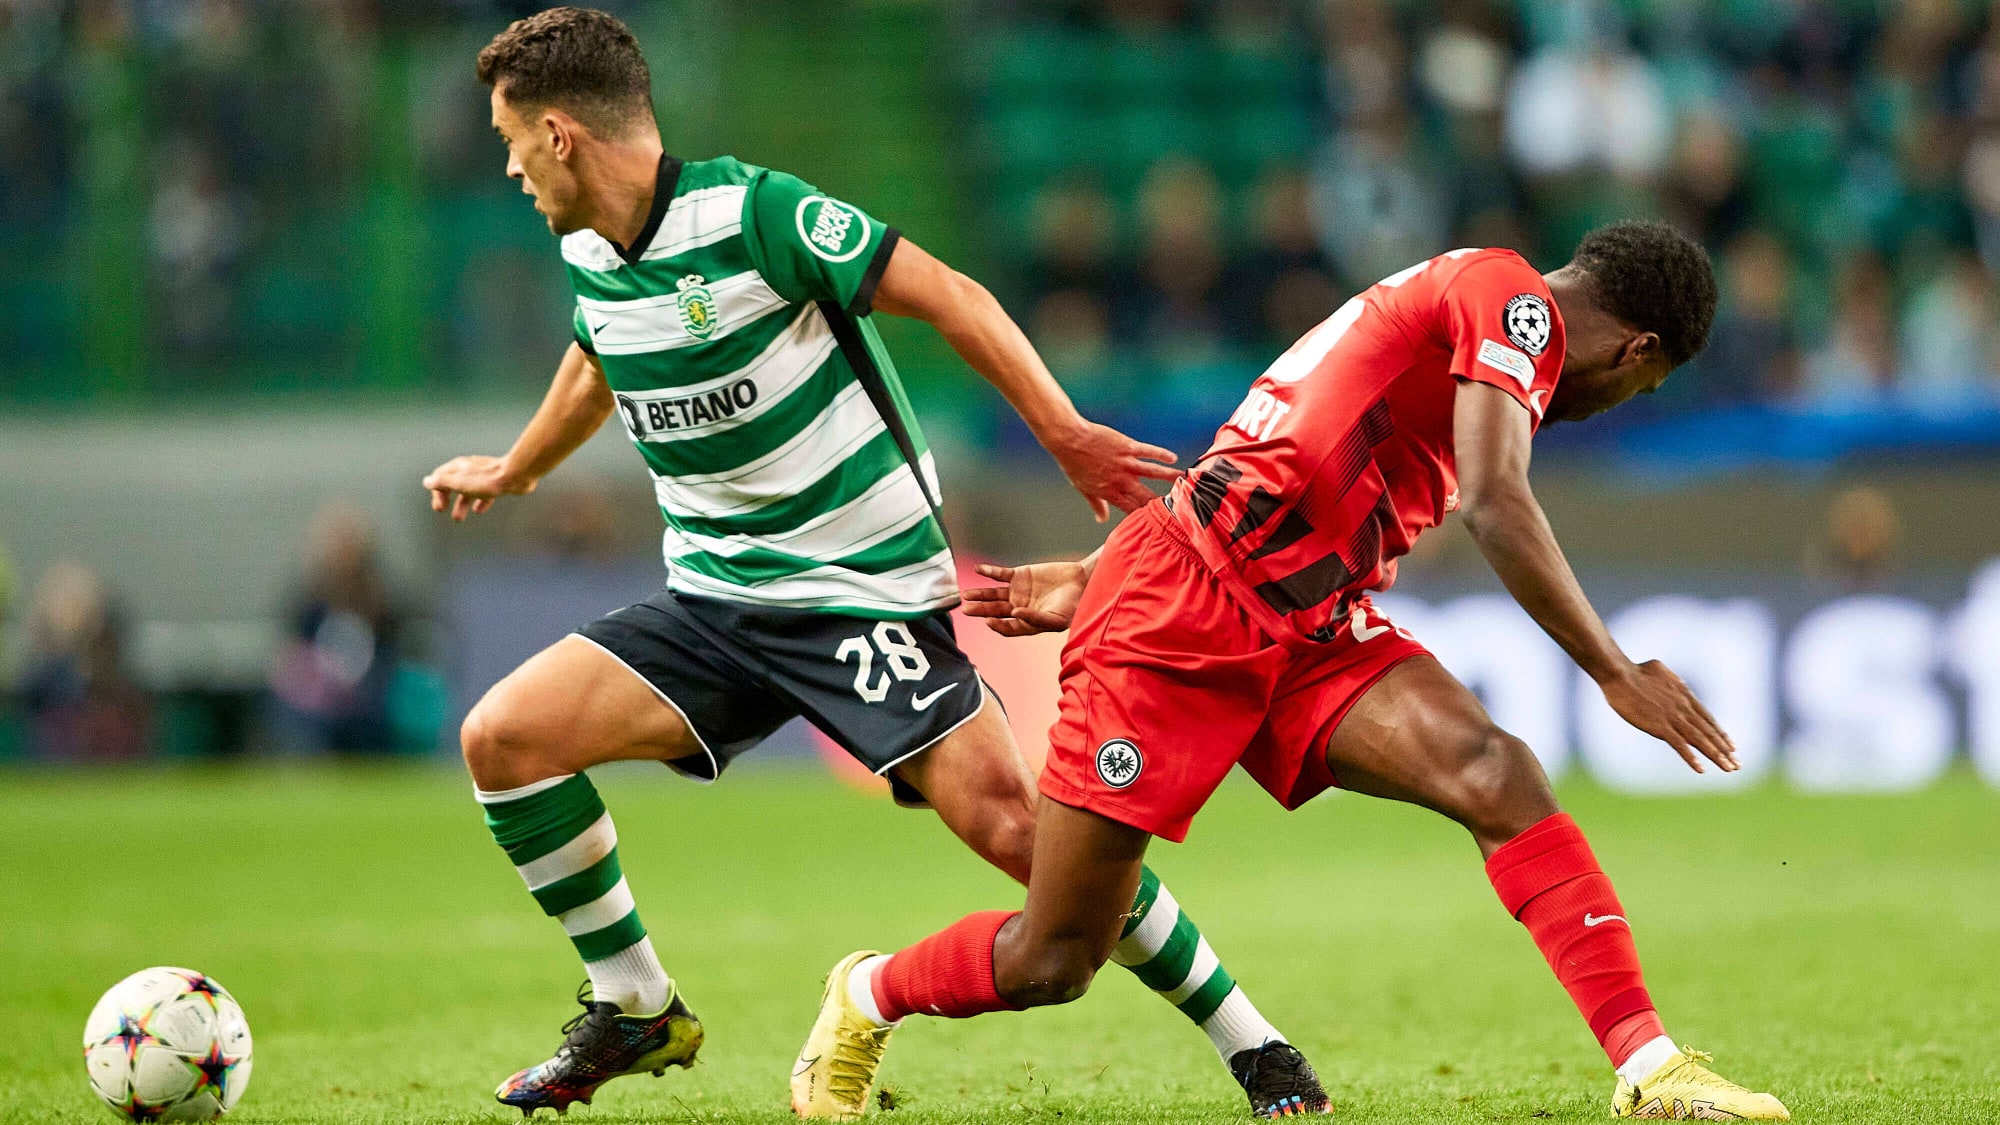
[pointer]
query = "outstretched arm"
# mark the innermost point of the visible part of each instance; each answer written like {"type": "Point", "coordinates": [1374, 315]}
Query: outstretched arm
{"type": "Point", "coordinates": [578, 402]}
{"type": "Point", "coordinates": [1103, 464]}
{"type": "Point", "coordinates": [1491, 433]}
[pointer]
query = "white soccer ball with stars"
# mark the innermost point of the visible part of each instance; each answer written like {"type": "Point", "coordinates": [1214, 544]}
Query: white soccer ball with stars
{"type": "Point", "coordinates": [167, 1044]}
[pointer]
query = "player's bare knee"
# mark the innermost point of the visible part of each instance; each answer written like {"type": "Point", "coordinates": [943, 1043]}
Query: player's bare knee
{"type": "Point", "coordinates": [1499, 789]}
{"type": "Point", "coordinates": [494, 746]}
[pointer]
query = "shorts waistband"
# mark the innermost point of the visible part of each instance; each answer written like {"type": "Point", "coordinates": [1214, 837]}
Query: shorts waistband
{"type": "Point", "coordinates": [1174, 530]}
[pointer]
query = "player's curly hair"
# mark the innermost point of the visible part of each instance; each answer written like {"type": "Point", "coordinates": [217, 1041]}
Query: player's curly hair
{"type": "Point", "coordinates": [579, 60]}
{"type": "Point", "coordinates": [1654, 278]}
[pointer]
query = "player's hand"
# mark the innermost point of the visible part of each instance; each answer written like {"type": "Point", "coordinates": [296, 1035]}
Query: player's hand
{"type": "Point", "coordinates": [1110, 468]}
{"type": "Point", "coordinates": [466, 486]}
{"type": "Point", "coordinates": [1038, 598]}
{"type": "Point", "coordinates": [1651, 697]}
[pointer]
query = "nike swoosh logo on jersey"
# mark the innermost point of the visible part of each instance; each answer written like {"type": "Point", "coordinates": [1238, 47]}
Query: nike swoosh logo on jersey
{"type": "Point", "coordinates": [804, 1065]}
{"type": "Point", "coordinates": [1590, 919]}
{"type": "Point", "coordinates": [1358, 625]}
{"type": "Point", "coordinates": [1535, 400]}
{"type": "Point", "coordinates": [923, 702]}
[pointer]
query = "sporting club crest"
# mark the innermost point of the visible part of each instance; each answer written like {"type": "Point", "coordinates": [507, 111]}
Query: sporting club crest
{"type": "Point", "coordinates": [697, 306]}
{"type": "Point", "coordinates": [1528, 323]}
{"type": "Point", "coordinates": [1119, 763]}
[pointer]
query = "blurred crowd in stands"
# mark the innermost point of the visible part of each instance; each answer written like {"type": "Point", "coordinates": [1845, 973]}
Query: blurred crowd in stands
{"type": "Point", "coordinates": [1840, 158]}
{"type": "Point", "coordinates": [282, 194]}
{"type": "Point", "coordinates": [243, 193]}
{"type": "Point", "coordinates": [344, 674]}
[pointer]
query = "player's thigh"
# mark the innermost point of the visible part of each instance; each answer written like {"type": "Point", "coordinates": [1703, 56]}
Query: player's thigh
{"type": "Point", "coordinates": [1087, 870]}
{"type": "Point", "coordinates": [981, 788]}
{"type": "Point", "coordinates": [571, 706]}
{"type": "Point", "coordinates": [1418, 735]}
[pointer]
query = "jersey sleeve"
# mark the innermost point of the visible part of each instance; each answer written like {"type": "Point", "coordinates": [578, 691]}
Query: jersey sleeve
{"type": "Point", "coordinates": [581, 329]}
{"type": "Point", "coordinates": [1503, 330]}
{"type": "Point", "coordinates": [811, 247]}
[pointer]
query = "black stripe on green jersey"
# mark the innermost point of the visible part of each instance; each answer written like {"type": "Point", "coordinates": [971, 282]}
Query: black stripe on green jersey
{"type": "Point", "coordinates": [861, 358]}
{"type": "Point", "coordinates": [666, 182]}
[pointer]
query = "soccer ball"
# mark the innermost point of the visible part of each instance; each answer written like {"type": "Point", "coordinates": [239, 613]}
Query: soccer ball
{"type": "Point", "coordinates": [167, 1045]}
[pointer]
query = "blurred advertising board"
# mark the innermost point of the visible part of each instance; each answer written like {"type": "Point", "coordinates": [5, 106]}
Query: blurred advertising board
{"type": "Point", "coordinates": [1832, 691]}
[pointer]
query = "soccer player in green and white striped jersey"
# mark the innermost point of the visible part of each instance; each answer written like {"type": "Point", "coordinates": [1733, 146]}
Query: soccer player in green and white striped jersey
{"type": "Point", "coordinates": [723, 316]}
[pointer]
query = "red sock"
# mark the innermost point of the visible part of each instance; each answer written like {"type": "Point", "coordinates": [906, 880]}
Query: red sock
{"type": "Point", "coordinates": [1549, 880]}
{"type": "Point", "coordinates": [949, 973]}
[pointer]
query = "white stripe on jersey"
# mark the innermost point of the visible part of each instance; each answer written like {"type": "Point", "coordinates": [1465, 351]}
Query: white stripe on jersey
{"type": "Point", "coordinates": [807, 331]}
{"type": "Point", "coordinates": [847, 424]}
{"type": "Point", "coordinates": [784, 366]}
{"type": "Point", "coordinates": [928, 584]}
{"type": "Point", "coordinates": [653, 324]}
{"type": "Point", "coordinates": [590, 250]}
{"type": "Point", "coordinates": [891, 505]}
{"type": "Point", "coordinates": [697, 219]}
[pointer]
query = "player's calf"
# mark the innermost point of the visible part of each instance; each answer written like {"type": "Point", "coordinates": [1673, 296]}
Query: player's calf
{"type": "Point", "coordinates": [1035, 971]}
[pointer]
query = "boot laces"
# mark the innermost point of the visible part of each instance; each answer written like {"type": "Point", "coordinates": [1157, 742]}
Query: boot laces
{"type": "Point", "coordinates": [855, 1057]}
{"type": "Point", "coordinates": [1698, 1060]}
{"type": "Point", "coordinates": [582, 1027]}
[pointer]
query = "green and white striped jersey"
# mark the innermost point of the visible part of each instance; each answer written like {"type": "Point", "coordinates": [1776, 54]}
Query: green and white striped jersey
{"type": "Point", "coordinates": [735, 335]}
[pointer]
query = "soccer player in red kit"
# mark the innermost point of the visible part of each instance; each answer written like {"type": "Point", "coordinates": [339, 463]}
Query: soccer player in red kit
{"type": "Point", "coordinates": [1231, 624]}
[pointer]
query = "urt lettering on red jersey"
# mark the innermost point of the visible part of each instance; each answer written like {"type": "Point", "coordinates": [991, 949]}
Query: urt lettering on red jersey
{"type": "Point", "coordinates": [1341, 453]}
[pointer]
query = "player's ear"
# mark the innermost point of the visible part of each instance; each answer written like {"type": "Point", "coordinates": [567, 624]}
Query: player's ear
{"type": "Point", "coordinates": [561, 130]}
{"type": "Point", "coordinates": [1641, 348]}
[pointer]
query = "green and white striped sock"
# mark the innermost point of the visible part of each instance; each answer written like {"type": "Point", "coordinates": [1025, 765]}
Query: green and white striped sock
{"type": "Point", "coordinates": [1165, 950]}
{"type": "Point", "coordinates": [562, 842]}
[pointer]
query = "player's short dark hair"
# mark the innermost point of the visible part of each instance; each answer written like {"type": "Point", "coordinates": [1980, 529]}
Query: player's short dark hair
{"type": "Point", "coordinates": [579, 60]}
{"type": "Point", "coordinates": [1655, 279]}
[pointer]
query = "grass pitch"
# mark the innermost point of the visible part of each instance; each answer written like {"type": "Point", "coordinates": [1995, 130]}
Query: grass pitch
{"type": "Point", "coordinates": [1841, 952]}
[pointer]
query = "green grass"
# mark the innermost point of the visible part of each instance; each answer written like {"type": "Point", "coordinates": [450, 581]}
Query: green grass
{"type": "Point", "coordinates": [1840, 952]}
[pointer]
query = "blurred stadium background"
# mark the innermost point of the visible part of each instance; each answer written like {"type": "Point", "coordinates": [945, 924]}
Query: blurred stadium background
{"type": "Point", "coordinates": [263, 270]}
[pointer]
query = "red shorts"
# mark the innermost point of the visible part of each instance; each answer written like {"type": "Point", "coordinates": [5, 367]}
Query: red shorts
{"type": "Point", "coordinates": [1166, 683]}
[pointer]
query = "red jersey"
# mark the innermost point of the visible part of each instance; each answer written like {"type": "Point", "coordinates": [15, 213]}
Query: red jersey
{"type": "Point", "coordinates": [1342, 453]}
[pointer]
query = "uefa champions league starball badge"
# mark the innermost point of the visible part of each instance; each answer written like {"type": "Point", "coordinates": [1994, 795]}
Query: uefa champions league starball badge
{"type": "Point", "coordinates": [1528, 323]}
